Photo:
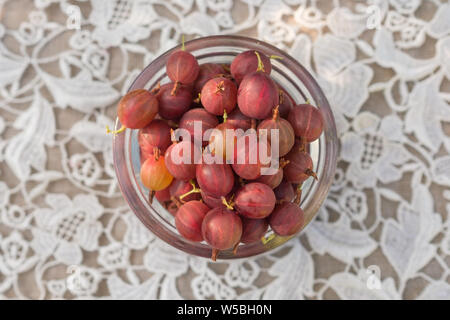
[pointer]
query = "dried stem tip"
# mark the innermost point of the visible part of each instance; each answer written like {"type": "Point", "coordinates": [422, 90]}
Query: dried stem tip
{"type": "Point", "coordinates": [220, 87]}
{"type": "Point", "coordinates": [156, 153]}
{"type": "Point", "coordinates": [183, 47]}
{"type": "Point", "coordinates": [214, 254]}
{"type": "Point", "coordinates": [298, 194]}
{"type": "Point", "coordinates": [122, 129]}
{"type": "Point", "coordinates": [275, 57]}
{"type": "Point", "coordinates": [151, 195]}
{"type": "Point", "coordinates": [311, 173]}
{"type": "Point", "coordinates": [235, 248]}
{"type": "Point", "coordinates": [283, 163]}
{"type": "Point", "coordinates": [156, 89]}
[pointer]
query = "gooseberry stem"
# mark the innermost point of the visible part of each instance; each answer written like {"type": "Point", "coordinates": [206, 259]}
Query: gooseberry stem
{"type": "Point", "coordinates": [225, 116]}
{"type": "Point", "coordinates": [265, 240]}
{"type": "Point", "coordinates": [176, 85]}
{"type": "Point", "coordinates": [156, 89]}
{"type": "Point", "coordinates": [276, 113]}
{"type": "Point", "coordinates": [151, 195]}
{"type": "Point", "coordinates": [298, 194]}
{"type": "Point", "coordinates": [156, 153]}
{"type": "Point", "coordinates": [214, 254]}
{"type": "Point", "coordinates": [280, 96]}
{"type": "Point", "coordinates": [235, 248]}
{"type": "Point", "coordinates": [194, 190]}
{"type": "Point", "coordinates": [283, 163]}
{"type": "Point", "coordinates": [302, 147]}
{"type": "Point", "coordinates": [229, 206]}
{"type": "Point", "coordinates": [183, 47]}
{"type": "Point", "coordinates": [198, 99]}
{"type": "Point", "coordinates": [275, 57]}
{"type": "Point", "coordinates": [260, 63]}
{"type": "Point", "coordinates": [311, 173]}
{"type": "Point", "coordinates": [122, 129]}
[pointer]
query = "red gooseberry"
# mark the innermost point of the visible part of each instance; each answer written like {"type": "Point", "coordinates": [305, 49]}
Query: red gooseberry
{"type": "Point", "coordinates": [285, 103]}
{"type": "Point", "coordinates": [257, 94]}
{"type": "Point", "coordinates": [214, 202]}
{"type": "Point", "coordinates": [219, 95]}
{"type": "Point", "coordinates": [207, 72]}
{"type": "Point", "coordinates": [300, 166]}
{"type": "Point", "coordinates": [255, 200]}
{"type": "Point", "coordinates": [200, 115]}
{"type": "Point", "coordinates": [189, 219]}
{"type": "Point", "coordinates": [250, 156]}
{"type": "Point", "coordinates": [239, 120]}
{"type": "Point", "coordinates": [180, 160]}
{"type": "Point", "coordinates": [221, 229]}
{"type": "Point", "coordinates": [307, 122]}
{"type": "Point", "coordinates": [247, 62]}
{"type": "Point", "coordinates": [223, 140]}
{"type": "Point", "coordinates": [287, 219]}
{"type": "Point", "coordinates": [284, 192]}
{"type": "Point", "coordinates": [163, 195]}
{"type": "Point", "coordinates": [156, 134]}
{"type": "Point", "coordinates": [172, 106]}
{"type": "Point", "coordinates": [184, 191]}
{"type": "Point", "coordinates": [182, 67]}
{"type": "Point", "coordinates": [215, 179]}
{"type": "Point", "coordinates": [253, 229]}
{"type": "Point", "coordinates": [286, 136]}
{"type": "Point", "coordinates": [272, 180]}
{"type": "Point", "coordinates": [136, 109]}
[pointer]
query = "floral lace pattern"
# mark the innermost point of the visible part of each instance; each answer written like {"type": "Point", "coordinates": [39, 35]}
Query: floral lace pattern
{"type": "Point", "coordinates": [66, 232]}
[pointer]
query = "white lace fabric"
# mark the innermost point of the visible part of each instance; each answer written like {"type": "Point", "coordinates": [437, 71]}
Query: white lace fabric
{"type": "Point", "coordinates": [65, 230]}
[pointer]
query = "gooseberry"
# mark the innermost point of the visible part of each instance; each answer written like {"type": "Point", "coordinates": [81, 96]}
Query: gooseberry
{"type": "Point", "coordinates": [257, 94]}
{"type": "Point", "coordinates": [219, 95]}
{"type": "Point", "coordinates": [247, 62]}
{"type": "Point", "coordinates": [255, 200]}
{"type": "Point", "coordinates": [287, 219]}
{"type": "Point", "coordinates": [307, 122]}
{"type": "Point", "coordinates": [221, 229]}
{"type": "Point", "coordinates": [154, 174]}
{"type": "Point", "coordinates": [189, 219]}
{"type": "Point", "coordinates": [136, 109]}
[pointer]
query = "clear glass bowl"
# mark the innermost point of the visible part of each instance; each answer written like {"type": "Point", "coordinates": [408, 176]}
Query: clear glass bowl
{"type": "Point", "coordinates": [299, 84]}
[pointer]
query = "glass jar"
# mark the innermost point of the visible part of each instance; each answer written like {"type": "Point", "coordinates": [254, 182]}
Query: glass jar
{"type": "Point", "coordinates": [291, 76]}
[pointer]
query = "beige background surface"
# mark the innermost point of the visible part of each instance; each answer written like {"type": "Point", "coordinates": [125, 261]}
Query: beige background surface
{"type": "Point", "coordinates": [35, 281]}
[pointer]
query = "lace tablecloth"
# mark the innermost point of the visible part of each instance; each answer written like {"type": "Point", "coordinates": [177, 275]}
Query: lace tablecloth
{"type": "Point", "coordinates": [66, 232]}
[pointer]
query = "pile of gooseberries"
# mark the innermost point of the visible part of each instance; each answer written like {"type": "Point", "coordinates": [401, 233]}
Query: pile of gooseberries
{"type": "Point", "coordinates": [228, 202]}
